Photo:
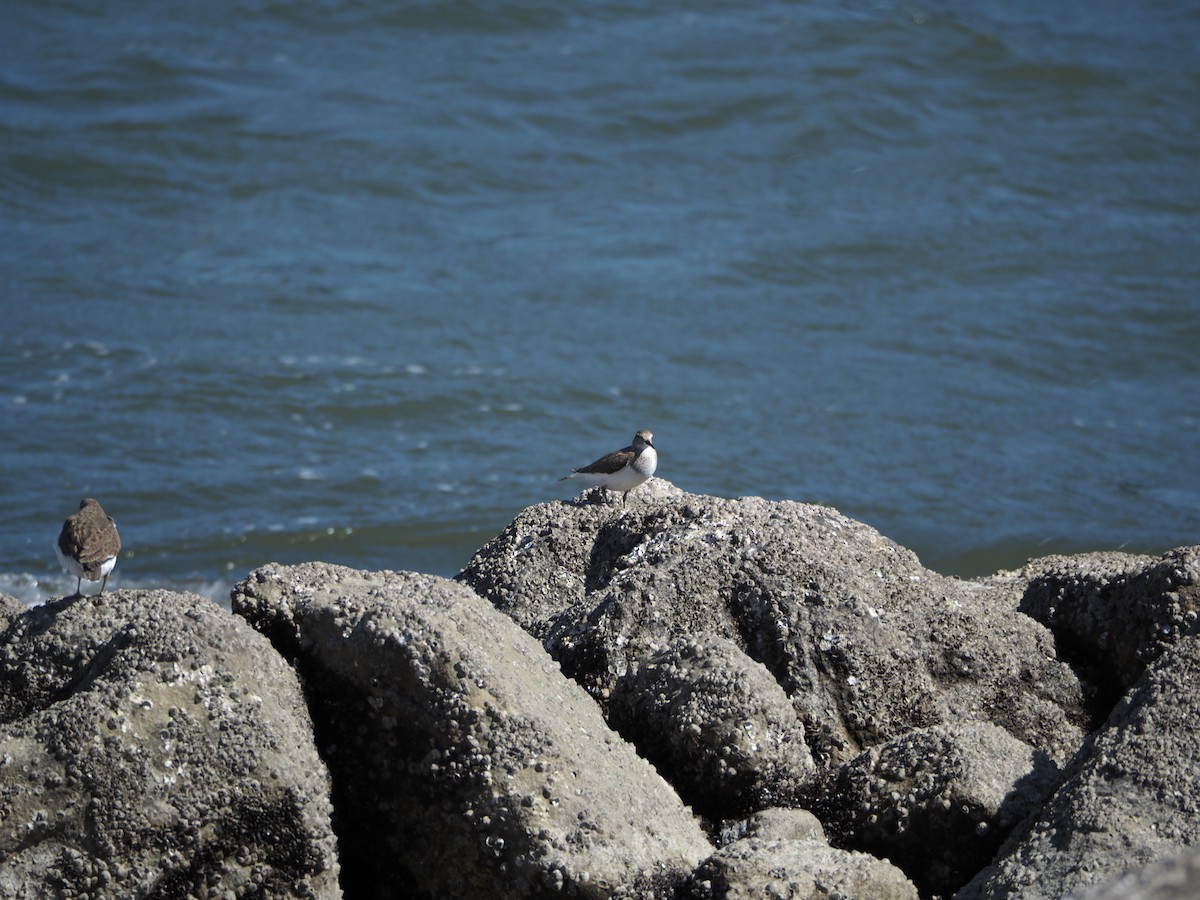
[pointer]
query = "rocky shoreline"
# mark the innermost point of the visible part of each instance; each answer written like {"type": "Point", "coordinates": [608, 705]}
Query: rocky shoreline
{"type": "Point", "coordinates": [690, 697]}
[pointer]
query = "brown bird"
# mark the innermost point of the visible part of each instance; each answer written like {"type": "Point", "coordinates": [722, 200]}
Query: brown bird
{"type": "Point", "coordinates": [88, 544]}
{"type": "Point", "coordinates": [622, 470]}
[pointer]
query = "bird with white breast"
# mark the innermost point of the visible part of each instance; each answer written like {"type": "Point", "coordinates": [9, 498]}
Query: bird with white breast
{"type": "Point", "coordinates": [622, 470]}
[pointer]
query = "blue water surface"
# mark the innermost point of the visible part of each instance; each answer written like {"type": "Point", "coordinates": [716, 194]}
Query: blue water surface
{"type": "Point", "coordinates": [357, 282]}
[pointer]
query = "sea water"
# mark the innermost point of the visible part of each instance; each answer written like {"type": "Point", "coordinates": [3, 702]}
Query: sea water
{"type": "Point", "coordinates": [358, 281]}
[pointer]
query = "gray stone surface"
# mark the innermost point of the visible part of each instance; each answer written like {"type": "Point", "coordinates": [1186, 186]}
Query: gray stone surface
{"type": "Point", "coordinates": [465, 765]}
{"type": "Point", "coordinates": [783, 854]}
{"type": "Point", "coordinates": [153, 745]}
{"type": "Point", "coordinates": [10, 608]}
{"type": "Point", "coordinates": [937, 802]}
{"type": "Point", "coordinates": [866, 642]}
{"type": "Point", "coordinates": [1172, 878]}
{"type": "Point", "coordinates": [1114, 613]}
{"type": "Point", "coordinates": [761, 654]}
{"type": "Point", "coordinates": [715, 723]}
{"type": "Point", "coordinates": [1129, 798]}
{"type": "Point", "coordinates": [777, 823]}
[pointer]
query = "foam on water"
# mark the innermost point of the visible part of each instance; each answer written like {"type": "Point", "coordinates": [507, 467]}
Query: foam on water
{"type": "Point", "coordinates": [35, 590]}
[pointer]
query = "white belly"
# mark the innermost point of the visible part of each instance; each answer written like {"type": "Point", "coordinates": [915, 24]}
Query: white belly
{"type": "Point", "coordinates": [625, 479]}
{"type": "Point", "coordinates": [74, 567]}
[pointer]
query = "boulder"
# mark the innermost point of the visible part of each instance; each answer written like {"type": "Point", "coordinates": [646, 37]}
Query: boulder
{"type": "Point", "coordinates": [715, 723]}
{"type": "Point", "coordinates": [153, 745]}
{"type": "Point", "coordinates": [783, 854]}
{"type": "Point", "coordinates": [10, 608]}
{"type": "Point", "coordinates": [866, 643]}
{"type": "Point", "coordinates": [1114, 613]}
{"type": "Point", "coordinates": [1130, 797]}
{"type": "Point", "coordinates": [464, 764]}
{"type": "Point", "coordinates": [938, 802]}
{"type": "Point", "coordinates": [1171, 878]}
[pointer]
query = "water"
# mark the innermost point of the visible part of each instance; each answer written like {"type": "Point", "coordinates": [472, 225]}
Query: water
{"type": "Point", "coordinates": [357, 281]}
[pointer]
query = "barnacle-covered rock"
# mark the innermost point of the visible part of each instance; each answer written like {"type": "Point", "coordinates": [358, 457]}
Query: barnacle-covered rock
{"type": "Point", "coordinates": [153, 745]}
{"type": "Point", "coordinates": [1129, 798]}
{"type": "Point", "coordinates": [465, 765]}
{"type": "Point", "coordinates": [1114, 613]}
{"type": "Point", "coordinates": [782, 853]}
{"type": "Point", "coordinates": [716, 723]}
{"type": "Point", "coordinates": [866, 642]}
{"type": "Point", "coordinates": [937, 802]}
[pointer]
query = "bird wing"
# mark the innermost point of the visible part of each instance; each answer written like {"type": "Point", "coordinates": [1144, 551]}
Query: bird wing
{"type": "Point", "coordinates": [607, 465]}
{"type": "Point", "coordinates": [91, 541]}
{"type": "Point", "coordinates": [69, 539]}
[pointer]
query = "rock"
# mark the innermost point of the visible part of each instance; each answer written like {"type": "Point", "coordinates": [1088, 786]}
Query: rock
{"type": "Point", "coordinates": [778, 824]}
{"type": "Point", "coordinates": [867, 644]}
{"type": "Point", "coordinates": [10, 608]}
{"type": "Point", "coordinates": [715, 723]}
{"type": "Point", "coordinates": [1114, 613]}
{"type": "Point", "coordinates": [1130, 796]}
{"type": "Point", "coordinates": [937, 802]}
{"type": "Point", "coordinates": [1172, 878]}
{"type": "Point", "coordinates": [784, 855]}
{"type": "Point", "coordinates": [153, 745]}
{"type": "Point", "coordinates": [464, 764]}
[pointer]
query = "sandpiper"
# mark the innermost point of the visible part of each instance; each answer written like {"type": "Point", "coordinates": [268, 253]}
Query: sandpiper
{"type": "Point", "coordinates": [88, 544]}
{"type": "Point", "coordinates": [622, 470]}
